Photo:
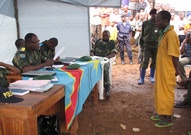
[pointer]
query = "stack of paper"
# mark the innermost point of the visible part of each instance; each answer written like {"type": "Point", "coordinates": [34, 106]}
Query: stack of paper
{"type": "Point", "coordinates": [19, 92]}
{"type": "Point", "coordinates": [31, 85]}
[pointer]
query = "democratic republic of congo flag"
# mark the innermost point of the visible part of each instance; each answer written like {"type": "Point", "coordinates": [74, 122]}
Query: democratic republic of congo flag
{"type": "Point", "coordinates": [70, 108]}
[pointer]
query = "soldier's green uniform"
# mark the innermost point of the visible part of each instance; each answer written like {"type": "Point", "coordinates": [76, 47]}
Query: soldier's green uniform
{"type": "Point", "coordinates": [46, 52]}
{"type": "Point", "coordinates": [3, 80]}
{"type": "Point", "coordinates": [149, 45]}
{"type": "Point", "coordinates": [103, 49]}
{"type": "Point", "coordinates": [25, 57]}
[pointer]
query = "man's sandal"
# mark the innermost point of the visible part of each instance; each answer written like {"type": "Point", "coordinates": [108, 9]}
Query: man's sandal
{"type": "Point", "coordinates": [162, 124]}
{"type": "Point", "coordinates": [156, 118]}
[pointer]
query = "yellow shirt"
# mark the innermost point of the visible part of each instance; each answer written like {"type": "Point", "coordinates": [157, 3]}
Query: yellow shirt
{"type": "Point", "coordinates": [165, 71]}
{"type": "Point", "coordinates": [187, 27]}
{"type": "Point", "coordinates": [113, 32]}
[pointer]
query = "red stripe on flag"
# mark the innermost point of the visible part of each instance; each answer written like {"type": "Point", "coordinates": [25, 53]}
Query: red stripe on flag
{"type": "Point", "coordinates": [71, 109]}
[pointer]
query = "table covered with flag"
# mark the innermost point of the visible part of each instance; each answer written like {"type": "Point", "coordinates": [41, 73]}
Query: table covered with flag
{"type": "Point", "coordinates": [78, 85]}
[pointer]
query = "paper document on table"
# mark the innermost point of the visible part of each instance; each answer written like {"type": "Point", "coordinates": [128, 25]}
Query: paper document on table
{"type": "Point", "coordinates": [58, 53]}
{"type": "Point", "coordinates": [32, 85]}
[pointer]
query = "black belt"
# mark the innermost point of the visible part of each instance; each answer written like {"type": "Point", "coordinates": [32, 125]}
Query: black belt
{"type": "Point", "coordinates": [123, 33]}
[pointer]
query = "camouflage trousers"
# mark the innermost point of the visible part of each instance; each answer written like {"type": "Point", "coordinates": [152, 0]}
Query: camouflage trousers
{"type": "Point", "coordinates": [187, 98]}
{"type": "Point", "coordinates": [106, 74]}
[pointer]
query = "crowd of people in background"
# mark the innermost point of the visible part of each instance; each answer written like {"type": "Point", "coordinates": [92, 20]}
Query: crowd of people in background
{"type": "Point", "coordinates": [105, 18]}
{"type": "Point", "coordinates": [163, 37]}
{"type": "Point", "coordinates": [161, 33]}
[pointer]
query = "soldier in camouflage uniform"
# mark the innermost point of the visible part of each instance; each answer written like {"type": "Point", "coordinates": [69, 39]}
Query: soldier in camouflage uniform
{"type": "Point", "coordinates": [105, 48]}
{"type": "Point", "coordinates": [149, 45]}
{"type": "Point", "coordinates": [29, 57]}
{"type": "Point", "coordinates": [19, 43]}
{"type": "Point", "coordinates": [47, 47]}
{"type": "Point", "coordinates": [9, 69]}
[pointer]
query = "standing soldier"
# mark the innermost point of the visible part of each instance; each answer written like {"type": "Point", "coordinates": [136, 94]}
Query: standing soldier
{"type": "Point", "coordinates": [148, 43]}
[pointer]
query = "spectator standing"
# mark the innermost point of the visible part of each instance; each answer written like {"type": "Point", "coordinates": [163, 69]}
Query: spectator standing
{"type": "Point", "coordinates": [115, 16]}
{"type": "Point", "coordinates": [105, 48]}
{"type": "Point", "coordinates": [173, 22]}
{"type": "Point", "coordinates": [141, 5]}
{"type": "Point", "coordinates": [166, 70]}
{"type": "Point", "coordinates": [124, 33]}
{"type": "Point", "coordinates": [125, 10]}
{"type": "Point", "coordinates": [113, 31]}
{"type": "Point", "coordinates": [95, 22]}
{"type": "Point", "coordinates": [149, 43]}
{"type": "Point", "coordinates": [132, 22]}
{"type": "Point", "coordinates": [158, 6]}
{"type": "Point", "coordinates": [181, 22]}
{"type": "Point", "coordinates": [105, 17]}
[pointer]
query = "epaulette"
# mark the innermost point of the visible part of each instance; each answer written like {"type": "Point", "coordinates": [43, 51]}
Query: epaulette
{"type": "Point", "coordinates": [22, 49]}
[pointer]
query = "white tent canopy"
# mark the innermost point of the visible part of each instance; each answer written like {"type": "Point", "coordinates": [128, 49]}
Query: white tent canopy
{"type": "Point", "coordinates": [49, 18]}
{"type": "Point", "coordinates": [90, 3]}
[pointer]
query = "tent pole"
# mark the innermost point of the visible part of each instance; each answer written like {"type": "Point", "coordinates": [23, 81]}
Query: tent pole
{"type": "Point", "coordinates": [16, 17]}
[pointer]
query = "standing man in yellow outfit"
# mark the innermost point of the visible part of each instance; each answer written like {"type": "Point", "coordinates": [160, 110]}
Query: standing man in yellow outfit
{"type": "Point", "coordinates": [166, 70]}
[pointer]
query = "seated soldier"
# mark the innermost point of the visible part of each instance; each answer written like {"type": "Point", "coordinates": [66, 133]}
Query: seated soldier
{"type": "Point", "coordinates": [6, 94]}
{"type": "Point", "coordinates": [8, 70]}
{"type": "Point", "coordinates": [19, 43]}
{"type": "Point", "coordinates": [47, 48]}
{"type": "Point", "coordinates": [105, 48]}
{"type": "Point", "coordinates": [29, 57]}
{"type": "Point", "coordinates": [186, 103]}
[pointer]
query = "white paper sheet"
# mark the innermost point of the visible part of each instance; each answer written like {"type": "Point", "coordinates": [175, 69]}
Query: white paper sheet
{"type": "Point", "coordinates": [59, 53]}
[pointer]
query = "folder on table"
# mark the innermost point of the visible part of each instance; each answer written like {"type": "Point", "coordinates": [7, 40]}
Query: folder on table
{"type": "Point", "coordinates": [37, 73]}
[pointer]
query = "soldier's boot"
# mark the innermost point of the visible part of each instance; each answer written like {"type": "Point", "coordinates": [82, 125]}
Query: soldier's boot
{"type": "Point", "coordinates": [107, 91]}
{"type": "Point", "coordinates": [142, 76]}
{"type": "Point", "coordinates": [152, 74]}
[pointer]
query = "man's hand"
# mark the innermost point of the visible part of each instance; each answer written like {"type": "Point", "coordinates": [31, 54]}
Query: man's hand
{"type": "Point", "coordinates": [183, 82]}
{"type": "Point", "coordinates": [57, 59]}
{"type": "Point", "coordinates": [49, 62]}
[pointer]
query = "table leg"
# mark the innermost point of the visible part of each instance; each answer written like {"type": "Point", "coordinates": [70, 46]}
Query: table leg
{"type": "Point", "coordinates": [96, 94]}
{"type": "Point", "coordinates": [74, 126]}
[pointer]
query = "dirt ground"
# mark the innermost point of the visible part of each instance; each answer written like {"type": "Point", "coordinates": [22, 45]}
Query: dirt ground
{"type": "Point", "coordinates": [130, 106]}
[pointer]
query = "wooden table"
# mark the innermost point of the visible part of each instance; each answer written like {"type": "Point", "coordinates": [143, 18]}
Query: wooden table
{"type": "Point", "coordinates": [91, 75]}
{"type": "Point", "coordinates": [21, 118]}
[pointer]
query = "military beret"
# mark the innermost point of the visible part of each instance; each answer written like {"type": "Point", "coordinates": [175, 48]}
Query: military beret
{"type": "Point", "coordinates": [73, 66]}
{"type": "Point", "coordinates": [43, 77]}
{"type": "Point", "coordinates": [85, 58]}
